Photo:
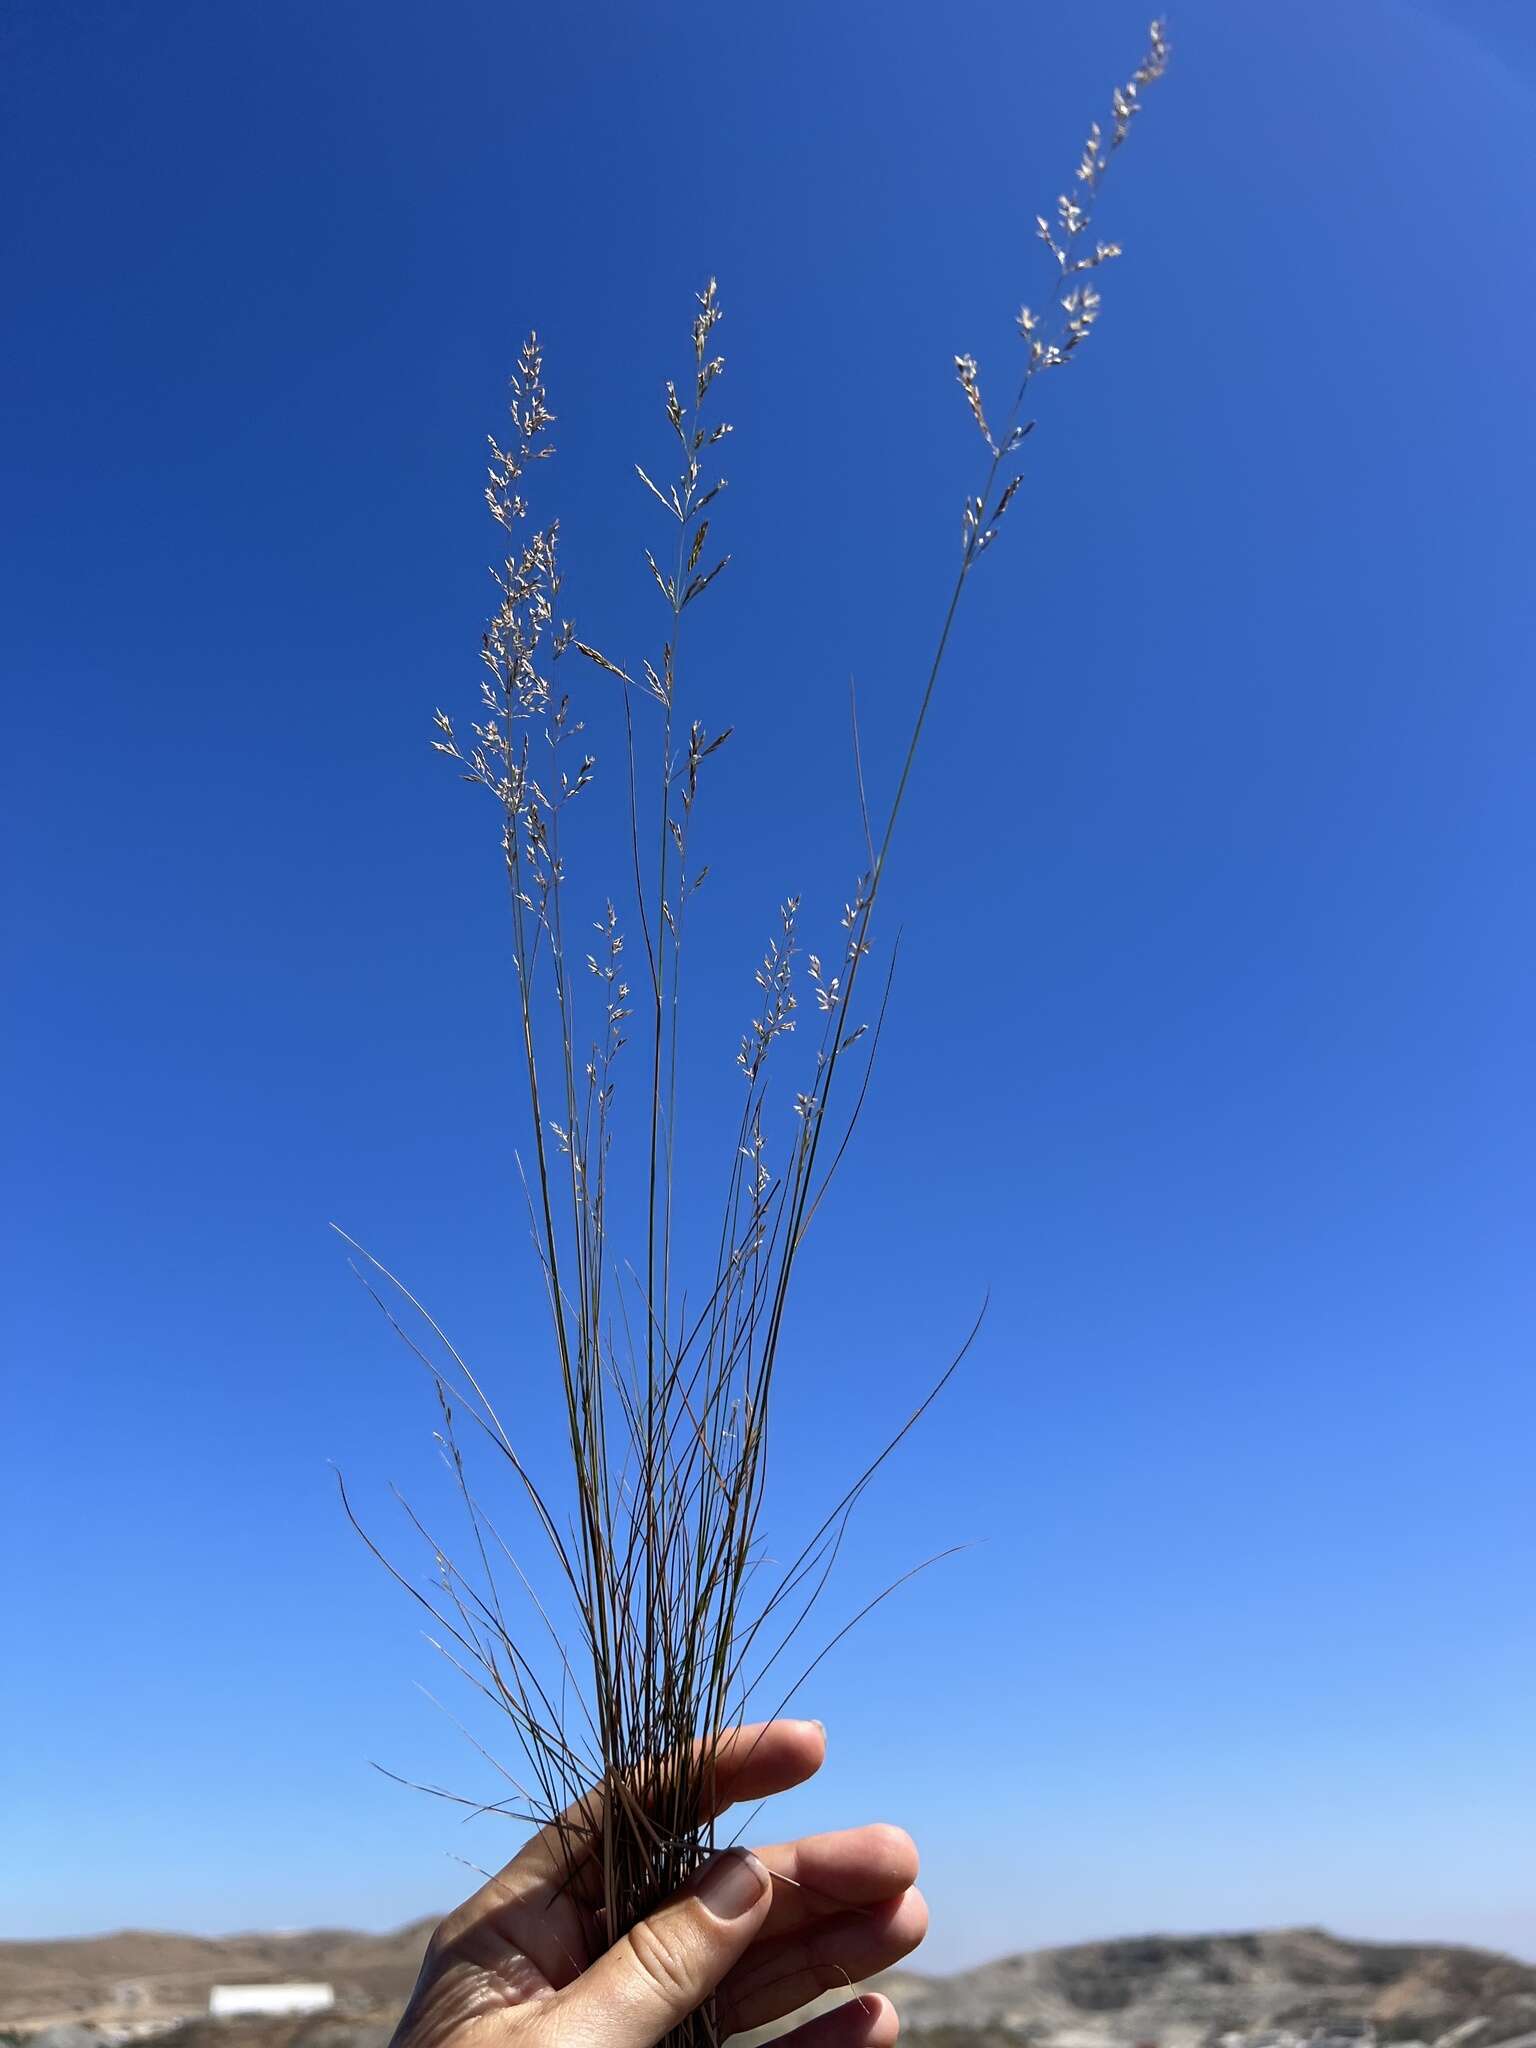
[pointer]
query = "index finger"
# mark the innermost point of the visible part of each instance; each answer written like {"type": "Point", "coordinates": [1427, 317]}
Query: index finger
{"type": "Point", "coordinates": [751, 1762]}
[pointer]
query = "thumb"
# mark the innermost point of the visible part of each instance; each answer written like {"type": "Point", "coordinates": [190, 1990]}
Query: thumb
{"type": "Point", "coordinates": [667, 1965]}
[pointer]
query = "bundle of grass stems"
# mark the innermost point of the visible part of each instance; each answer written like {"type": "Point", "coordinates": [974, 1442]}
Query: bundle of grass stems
{"type": "Point", "coordinates": [655, 1529]}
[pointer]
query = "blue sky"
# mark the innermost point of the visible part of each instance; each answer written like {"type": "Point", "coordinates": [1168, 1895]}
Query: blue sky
{"type": "Point", "coordinates": [1211, 1047]}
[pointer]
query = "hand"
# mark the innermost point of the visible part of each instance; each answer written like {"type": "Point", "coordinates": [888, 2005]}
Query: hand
{"type": "Point", "coordinates": [514, 1967]}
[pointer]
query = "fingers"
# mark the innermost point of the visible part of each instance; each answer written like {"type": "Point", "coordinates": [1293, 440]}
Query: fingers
{"type": "Point", "coordinates": [866, 2022]}
{"type": "Point", "coordinates": [534, 1899]}
{"type": "Point", "coordinates": [750, 1763]}
{"type": "Point", "coordinates": [667, 1965]}
{"type": "Point", "coordinates": [822, 1874]}
{"type": "Point", "coordinates": [766, 1757]}
{"type": "Point", "coordinates": [841, 1949]}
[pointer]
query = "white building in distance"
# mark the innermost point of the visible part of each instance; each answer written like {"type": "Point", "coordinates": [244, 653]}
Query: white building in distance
{"type": "Point", "coordinates": [230, 2001]}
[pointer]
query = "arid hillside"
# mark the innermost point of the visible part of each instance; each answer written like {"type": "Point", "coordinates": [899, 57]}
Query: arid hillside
{"type": "Point", "coordinates": [131, 1977]}
{"type": "Point", "coordinates": [1190, 1991]}
{"type": "Point", "coordinates": [1283, 1989]}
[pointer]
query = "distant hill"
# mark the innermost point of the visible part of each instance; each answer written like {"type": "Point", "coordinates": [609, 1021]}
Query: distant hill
{"type": "Point", "coordinates": [1189, 1991]}
{"type": "Point", "coordinates": [135, 1976]}
{"type": "Point", "coordinates": [1291, 1986]}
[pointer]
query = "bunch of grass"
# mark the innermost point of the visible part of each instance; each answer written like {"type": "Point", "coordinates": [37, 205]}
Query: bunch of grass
{"type": "Point", "coordinates": [679, 1620]}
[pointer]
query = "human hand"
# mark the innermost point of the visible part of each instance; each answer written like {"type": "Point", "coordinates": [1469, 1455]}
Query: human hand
{"type": "Point", "coordinates": [518, 1965]}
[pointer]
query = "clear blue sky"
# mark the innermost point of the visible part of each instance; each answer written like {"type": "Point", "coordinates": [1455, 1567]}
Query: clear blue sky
{"type": "Point", "coordinates": [1212, 1047]}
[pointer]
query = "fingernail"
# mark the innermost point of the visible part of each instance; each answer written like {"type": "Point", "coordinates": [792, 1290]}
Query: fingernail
{"type": "Point", "coordinates": [732, 1883]}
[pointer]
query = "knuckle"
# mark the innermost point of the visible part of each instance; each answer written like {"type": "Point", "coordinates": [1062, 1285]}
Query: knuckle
{"type": "Point", "coordinates": [439, 1941]}
{"type": "Point", "coordinates": [666, 1956]}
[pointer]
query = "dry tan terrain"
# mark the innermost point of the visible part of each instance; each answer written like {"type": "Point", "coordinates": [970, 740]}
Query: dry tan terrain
{"type": "Point", "coordinates": [1175, 1991]}
{"type": "Point", "coordinates": [173, 1973]}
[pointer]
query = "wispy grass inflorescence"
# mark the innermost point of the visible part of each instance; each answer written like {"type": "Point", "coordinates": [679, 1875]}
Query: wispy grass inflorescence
{"type": "Point", "coordinates": [677, 1618]}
